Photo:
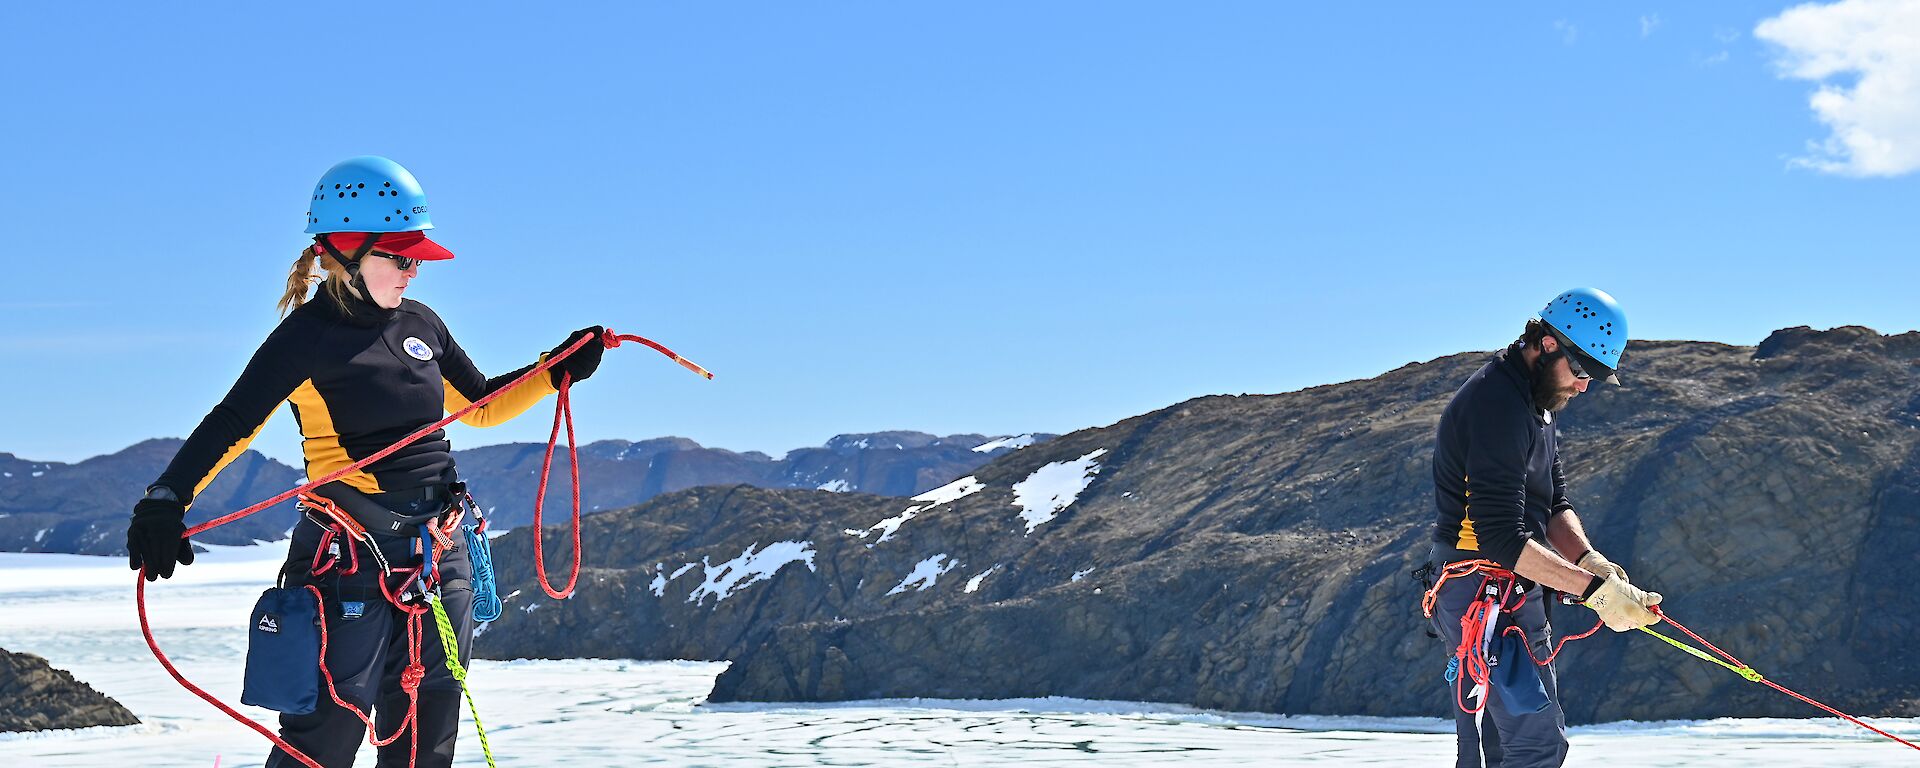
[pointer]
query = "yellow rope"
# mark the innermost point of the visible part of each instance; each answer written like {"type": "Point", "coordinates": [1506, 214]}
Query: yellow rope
{"type": "Point", "coordinates": [1743, 671]}
{"type": "Point", "coordinates": [451, 645]}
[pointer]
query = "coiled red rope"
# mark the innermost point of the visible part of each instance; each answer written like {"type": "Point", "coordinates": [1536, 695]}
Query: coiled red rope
{"type": "Point", "coordinates": [563, 406]}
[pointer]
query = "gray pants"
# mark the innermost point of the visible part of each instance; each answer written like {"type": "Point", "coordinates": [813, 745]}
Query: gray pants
{"type": "Point", "coordinates": [1505, 739]}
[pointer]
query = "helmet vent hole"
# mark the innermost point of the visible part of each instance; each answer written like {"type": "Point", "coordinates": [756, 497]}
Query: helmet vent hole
{"type": "Point", "coordinates": [390, 218]}
{"type": "Point", "coordinates": [339, 194]}
{"type": "Point", "coordinates": [356, 194]}
{"type": "Point", "coordinates": [407, 218]}
{"type": "Point", "coordinates": [344, 219]}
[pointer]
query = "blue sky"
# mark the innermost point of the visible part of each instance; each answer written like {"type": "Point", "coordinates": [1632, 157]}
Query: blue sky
{"type": "Point", "coordinates": [960, 217]}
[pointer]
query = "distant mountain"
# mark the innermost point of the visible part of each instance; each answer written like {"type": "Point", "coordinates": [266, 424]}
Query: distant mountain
{"type": "Point", "coordinates": [1253, 552]}
{"type": "Point", "coordinates": [83, 507]}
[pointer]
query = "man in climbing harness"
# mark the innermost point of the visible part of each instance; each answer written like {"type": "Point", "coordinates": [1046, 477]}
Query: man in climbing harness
{"type": "Point", "coordinates": [360, 366]}
{"type": "Point", "coordinates": [1504, 518]}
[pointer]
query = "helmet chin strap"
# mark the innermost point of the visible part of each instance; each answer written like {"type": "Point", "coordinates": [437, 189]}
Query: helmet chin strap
{"type": "Point", "coordinates": [352, 265]}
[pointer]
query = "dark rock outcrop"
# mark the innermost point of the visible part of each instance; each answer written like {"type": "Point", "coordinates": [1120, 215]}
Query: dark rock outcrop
{"type": "Point", "coordinates": [1252, 552]}
{"type": "Point", "coordinates": [36, 697]}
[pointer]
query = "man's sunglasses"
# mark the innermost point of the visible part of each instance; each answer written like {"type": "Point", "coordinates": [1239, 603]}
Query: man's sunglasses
{"type": "Point", "coordinates": [403, 262]}
{"type": "Point", "coordinates": [1573, 362]}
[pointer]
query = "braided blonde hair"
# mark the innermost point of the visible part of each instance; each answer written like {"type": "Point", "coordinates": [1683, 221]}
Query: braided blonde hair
{"type": "Point", "coordinates": [304, 275]}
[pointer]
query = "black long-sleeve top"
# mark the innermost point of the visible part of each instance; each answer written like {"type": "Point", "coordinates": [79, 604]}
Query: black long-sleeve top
{"type": "Point", "coordinates": [358, 378]}
{"type": "Point", "coordinates": [1496, 464]}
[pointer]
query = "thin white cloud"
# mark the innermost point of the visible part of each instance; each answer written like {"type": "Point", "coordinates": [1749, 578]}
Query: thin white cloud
{"type": "Point", "coordinates": [1865, 56]}
{"type": "Point", "coordinates": [1648, 24]}
{"type": "Point", "coordinates": [1569, 34]}
{"type": "Point", "coordinates": [1714, 60]}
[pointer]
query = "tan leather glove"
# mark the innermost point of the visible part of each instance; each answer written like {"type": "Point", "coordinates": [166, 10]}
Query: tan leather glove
{"type": "Point", "coordinates": [1624, 607]}
{"type": "Point", "coordinates": [1597, 564]}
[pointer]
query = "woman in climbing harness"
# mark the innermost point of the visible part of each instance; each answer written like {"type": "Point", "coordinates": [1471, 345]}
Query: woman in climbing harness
{"type": "Point", "coordinates": [361, 366]}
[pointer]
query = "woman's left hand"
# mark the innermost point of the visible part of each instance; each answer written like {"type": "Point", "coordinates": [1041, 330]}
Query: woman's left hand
{"type": "Point", "coordinates": [582, 363]}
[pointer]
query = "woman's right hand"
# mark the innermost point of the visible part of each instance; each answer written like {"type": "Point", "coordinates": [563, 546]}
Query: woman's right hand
{"type": "Point", "coordinates": [155, 537]}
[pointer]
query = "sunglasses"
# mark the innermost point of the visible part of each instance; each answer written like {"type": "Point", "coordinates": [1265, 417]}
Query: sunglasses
{"type": "Point", "coordinates": [402, 262]}
{"type": "Point", "coordinates": [1573, 364]}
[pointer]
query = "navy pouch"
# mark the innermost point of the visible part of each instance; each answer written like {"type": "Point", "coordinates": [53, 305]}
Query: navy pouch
{"type": "Point", "coordinates": [283, 652]}
{"type": "Point", "coordinates": [1516, 680]}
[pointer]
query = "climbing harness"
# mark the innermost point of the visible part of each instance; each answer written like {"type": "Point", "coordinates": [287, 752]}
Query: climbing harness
{"type": "Point", "coordinates": [415, 590]}
{"type": "Point", "coordinates": [1471, 660]}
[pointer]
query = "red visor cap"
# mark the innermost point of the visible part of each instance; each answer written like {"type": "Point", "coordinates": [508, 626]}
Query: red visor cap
{"type": "Point", "coordinates": [413, 245]}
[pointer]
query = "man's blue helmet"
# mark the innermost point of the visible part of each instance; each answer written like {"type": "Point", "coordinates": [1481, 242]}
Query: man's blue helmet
{"type": "Point", "coordinates": [367, 194]}
{"type": "Point", "coordinates": [1591, 323]}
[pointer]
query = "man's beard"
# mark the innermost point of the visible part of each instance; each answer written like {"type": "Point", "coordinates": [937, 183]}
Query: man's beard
{"type": "Point", "coordinates": [1545, 396]}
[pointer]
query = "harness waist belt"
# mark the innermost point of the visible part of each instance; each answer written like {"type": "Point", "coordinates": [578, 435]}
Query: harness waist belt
{"type": "Point", "coordinates": [375, 512]}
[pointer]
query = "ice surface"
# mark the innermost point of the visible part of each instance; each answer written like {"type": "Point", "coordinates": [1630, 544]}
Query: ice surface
{"type": "Point", "coordinates": [614, 712]}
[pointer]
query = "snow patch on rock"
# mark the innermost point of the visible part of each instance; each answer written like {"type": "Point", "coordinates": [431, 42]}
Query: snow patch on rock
{"type": "Point", "coordinates": [954, 491]}
{"type": "Point", "coordinates": [1016, 443]}
{"type": "Point", "coordinates": [1054, 487]}
{"type": "Point", "coordinates": [973, 584]}
{"type": "Point", "coordinates": [728, 578]}
{"type": "Point", "coordinates": [836, 486]}
{"type": "Point", "coordinates": [925, 574]}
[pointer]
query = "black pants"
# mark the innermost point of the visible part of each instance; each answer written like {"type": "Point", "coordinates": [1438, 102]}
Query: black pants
{"type": "Point", "coordinates": [367, 650]}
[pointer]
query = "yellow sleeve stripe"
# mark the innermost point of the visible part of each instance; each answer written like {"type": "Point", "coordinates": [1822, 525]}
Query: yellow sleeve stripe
{"type": "Point", "coordinates": [321, 445]}
{"type": "Point", "coordinates": [233, 452]}
{"type": "Point", "coordinates": [514, 402]}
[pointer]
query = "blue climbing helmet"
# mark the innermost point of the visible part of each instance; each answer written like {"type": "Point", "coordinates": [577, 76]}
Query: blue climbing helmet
{"type": "Point", "coordinates": [1591, 323]}
{"type": "Point", "coordinates": [367, 194]}
{"type": "Point", "coordinates": [370, 200]}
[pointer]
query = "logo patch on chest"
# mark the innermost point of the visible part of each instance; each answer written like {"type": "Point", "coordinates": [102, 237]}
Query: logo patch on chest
{"type": "Point", "coordinates": [268, 623]}
{"type": "Point", "coordinates": [417, 348]}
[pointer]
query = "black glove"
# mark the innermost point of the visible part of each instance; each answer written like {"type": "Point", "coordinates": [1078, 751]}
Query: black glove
{"type": "Point", "coordinates": [153, 538]}
{"type": "Point", "coordinates": [580, 364]}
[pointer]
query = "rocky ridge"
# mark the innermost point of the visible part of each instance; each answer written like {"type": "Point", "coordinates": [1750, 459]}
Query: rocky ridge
{"type": "Point", "coordinates": [1252, 552]}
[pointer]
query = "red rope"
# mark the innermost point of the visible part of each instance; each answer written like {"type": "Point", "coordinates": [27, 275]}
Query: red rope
{"type": "Point", "coordinates": [607, 337]}
{"type": "Point", "coordinates": [1557, 646]}
{"type": "Point", "coordinates": [1776, 686]}
{"type": "Point", "coordinates": [563, 408]}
